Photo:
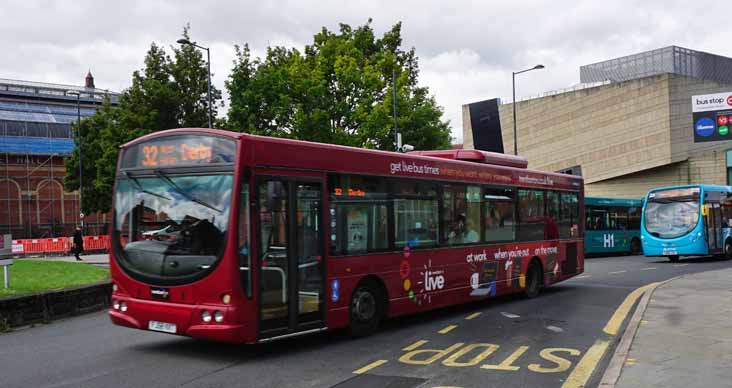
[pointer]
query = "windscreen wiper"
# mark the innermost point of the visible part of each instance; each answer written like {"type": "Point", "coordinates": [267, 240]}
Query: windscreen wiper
{"type": "Point", "coordinates": [142, 189]}
{"type": "Point", "coordinates": [182, 192]}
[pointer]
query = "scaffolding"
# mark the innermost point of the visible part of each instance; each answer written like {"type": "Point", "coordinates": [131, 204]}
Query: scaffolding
{"type": "Point", "coordinates": [35, 137]}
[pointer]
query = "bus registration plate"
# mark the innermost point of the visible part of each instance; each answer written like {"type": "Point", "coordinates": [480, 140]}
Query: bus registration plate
{"type": "Point", "coordinates": [162, 326]}
{"type": "Point", "coordinates": [669, 251]}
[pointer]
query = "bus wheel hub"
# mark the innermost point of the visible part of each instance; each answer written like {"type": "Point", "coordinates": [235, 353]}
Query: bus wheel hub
{"type": "Point", "coordinates": [364, 306]}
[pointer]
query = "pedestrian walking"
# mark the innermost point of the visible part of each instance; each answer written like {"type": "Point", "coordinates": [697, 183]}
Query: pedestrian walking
{"type": "Point", "coordinates": [78, 243]}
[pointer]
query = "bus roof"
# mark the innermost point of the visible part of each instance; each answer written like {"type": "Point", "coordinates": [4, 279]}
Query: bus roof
{"type": "Point", "coordinates": [603, 201]}
{"type": "Point", "coordinates": [704, 187]}
{"type": "Point", "coordinates": [276, 152]}
{"type": "Point", "coordinates": [477, 156]}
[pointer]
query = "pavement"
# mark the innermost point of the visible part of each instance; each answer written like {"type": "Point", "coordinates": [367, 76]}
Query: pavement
{"type": "Point", "coordinates": [685, 336]}
{"type": "Point", "coordinates": [101, 259]}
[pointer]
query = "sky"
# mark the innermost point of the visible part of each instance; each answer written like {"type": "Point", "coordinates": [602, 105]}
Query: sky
{"type": "Point", "coordinates": [467, 49]}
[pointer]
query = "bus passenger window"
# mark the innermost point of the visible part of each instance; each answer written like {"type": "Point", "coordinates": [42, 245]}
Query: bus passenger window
{"type": "Point", "coordinates": [569, 216]}
{"type": "Point", "coordinates": [531, 215]}
{"type": "Point", "coordinates": [415, 223]}
{"type": "Point", "coordinates": [461, 214]}
{"type": "Point", "coordinates": [358, 214]}
{"type": "Point", "coordinates": [498, 210]}
{"type": "Point", "coordinates": [415, 213]}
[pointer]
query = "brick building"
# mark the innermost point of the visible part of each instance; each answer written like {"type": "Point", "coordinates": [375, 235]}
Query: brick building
{"type": "Point", "coordinates": [626, 128]}
{"type": "Point", "coordinates": [35, 136]}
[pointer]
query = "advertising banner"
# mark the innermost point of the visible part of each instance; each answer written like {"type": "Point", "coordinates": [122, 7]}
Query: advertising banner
{"type": "Point", "coordinates": [712, 117]}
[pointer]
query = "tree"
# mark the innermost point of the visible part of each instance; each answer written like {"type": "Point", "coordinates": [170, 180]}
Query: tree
{"type": "Point", "coordinates": [167, 93]}
{"type": "Point", "coordinates": [338, 90]}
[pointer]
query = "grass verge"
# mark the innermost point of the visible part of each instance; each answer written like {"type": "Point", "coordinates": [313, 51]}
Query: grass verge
{"type": "Point", "coordinates": [31, 276]}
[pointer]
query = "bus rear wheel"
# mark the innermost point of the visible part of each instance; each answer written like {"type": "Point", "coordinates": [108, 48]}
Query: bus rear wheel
{"type": "Point", "coordinates": [366, 309]}
{"type": "Point", "coordinates": [728, 250]}
{"type": "Point", "coordinates": [673, 258]}
{"type": "Point", "coordinates": [533, 280]}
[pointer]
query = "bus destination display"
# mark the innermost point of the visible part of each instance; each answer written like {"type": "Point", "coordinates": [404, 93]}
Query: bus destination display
{"type": "Point", "coordinates": [179, 151]}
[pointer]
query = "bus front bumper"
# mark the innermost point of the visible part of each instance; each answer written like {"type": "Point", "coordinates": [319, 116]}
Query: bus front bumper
{"type": "Point", "coordinates": [678, 247]}
{"type": "Point", "coordinates": [179, 319]}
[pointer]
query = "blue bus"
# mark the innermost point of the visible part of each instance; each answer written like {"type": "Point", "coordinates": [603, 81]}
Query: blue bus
{"type": "Point", "coordinates": [689, 220]}
{"type": "Point", "coordinates": [612, 225]}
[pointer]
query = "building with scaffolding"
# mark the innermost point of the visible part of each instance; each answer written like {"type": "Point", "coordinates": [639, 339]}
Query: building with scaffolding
{"type": "Point", "coordinates": [35, 137]}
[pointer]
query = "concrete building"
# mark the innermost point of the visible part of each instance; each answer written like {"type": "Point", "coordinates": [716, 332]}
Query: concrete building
{"type": "Point", "coordinates": [35, 137]}
{"type": "Point", "coordinates": [626, 128]}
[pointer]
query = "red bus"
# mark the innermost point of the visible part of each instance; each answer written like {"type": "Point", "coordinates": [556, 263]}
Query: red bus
{"type": "Point", "coordinates": [243, 238]}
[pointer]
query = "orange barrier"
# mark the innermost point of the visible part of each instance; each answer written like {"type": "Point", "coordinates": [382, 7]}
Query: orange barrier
{"type": "Point", "coordinates": [96, 243]}
{"type": "Point", "coordinates": [59, 244]}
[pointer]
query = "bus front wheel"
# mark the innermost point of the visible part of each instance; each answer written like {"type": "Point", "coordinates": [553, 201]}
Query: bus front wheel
{"type": "Point", "coordinates": [533, 280]}
{"type": "Point", "coordinates": [673, 258]}
{"type": "Point", "coordinates": [366, 309]}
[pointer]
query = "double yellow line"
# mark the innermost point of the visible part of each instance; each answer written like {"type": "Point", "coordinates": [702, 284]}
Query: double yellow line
{"type": "Point", "coordinates": [587, 364]}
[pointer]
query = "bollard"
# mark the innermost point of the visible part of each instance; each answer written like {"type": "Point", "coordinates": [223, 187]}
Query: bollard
{"type": "Point", "coordinates": [6, 263]}
{"type": "Point", "coordinates": [6, 254]}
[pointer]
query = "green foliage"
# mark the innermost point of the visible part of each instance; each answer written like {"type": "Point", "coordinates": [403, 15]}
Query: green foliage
{"type": "Point", "coordinates": [167, 93]}
{"type": "Point", "coordinates": [338, 90]}
{"type": "Point", "coordinates": [29, 276]}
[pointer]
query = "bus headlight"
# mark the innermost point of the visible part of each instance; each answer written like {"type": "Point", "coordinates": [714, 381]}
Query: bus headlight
{"type": "Point", "coordinates": [226, 298]}
{"type": "Point", "coordinates": [218, 316]}
{"type": "Point", "coordinates": [114, 287]}
{"type": "Point", "coordinates": [123, 306]}
{"type": "Point", "coordinates": [115, 304]}
{"type": "Point", "coordinates": [205, 316]}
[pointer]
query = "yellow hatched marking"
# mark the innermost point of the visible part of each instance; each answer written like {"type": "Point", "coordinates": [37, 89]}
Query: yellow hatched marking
{"type": "Point", "coordinates": [370, 366]}
{"type": "Point", "coordinates": [447, 329]}
{"type": "Point", "coordinates": [414, 345]}
{"type": "Point", "coordinates": [473, 316]}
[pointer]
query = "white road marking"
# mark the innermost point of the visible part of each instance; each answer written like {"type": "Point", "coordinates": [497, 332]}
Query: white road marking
{"type": "Point", "coordinates": [583, 277]}
{"type": "Point", "coordinates": [647, 269]}
{"type": "Point", "coordinates": [616, 272]}
{"type": "Point", "coordinates": [509, 315]}
{"type": "Point", "coordinates": [555, 329]}
{"type": "Point", "coordinates": [680, 265]}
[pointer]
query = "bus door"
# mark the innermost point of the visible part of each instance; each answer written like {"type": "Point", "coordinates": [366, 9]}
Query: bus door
{"type": "Point", "coordinates": [290, 255]}
{"type": "Point", "coordinates": [713, 226]}
{"type": "Point", "coordinates": [716, 221]}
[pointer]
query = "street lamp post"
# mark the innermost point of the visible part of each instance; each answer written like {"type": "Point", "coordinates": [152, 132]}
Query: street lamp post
{"type": "Point", "coordinates": [81, 178]}
{"type": "Point", "coordinates": [208, 55]}
{"type": "Point", "coordinates": [513, 82]}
